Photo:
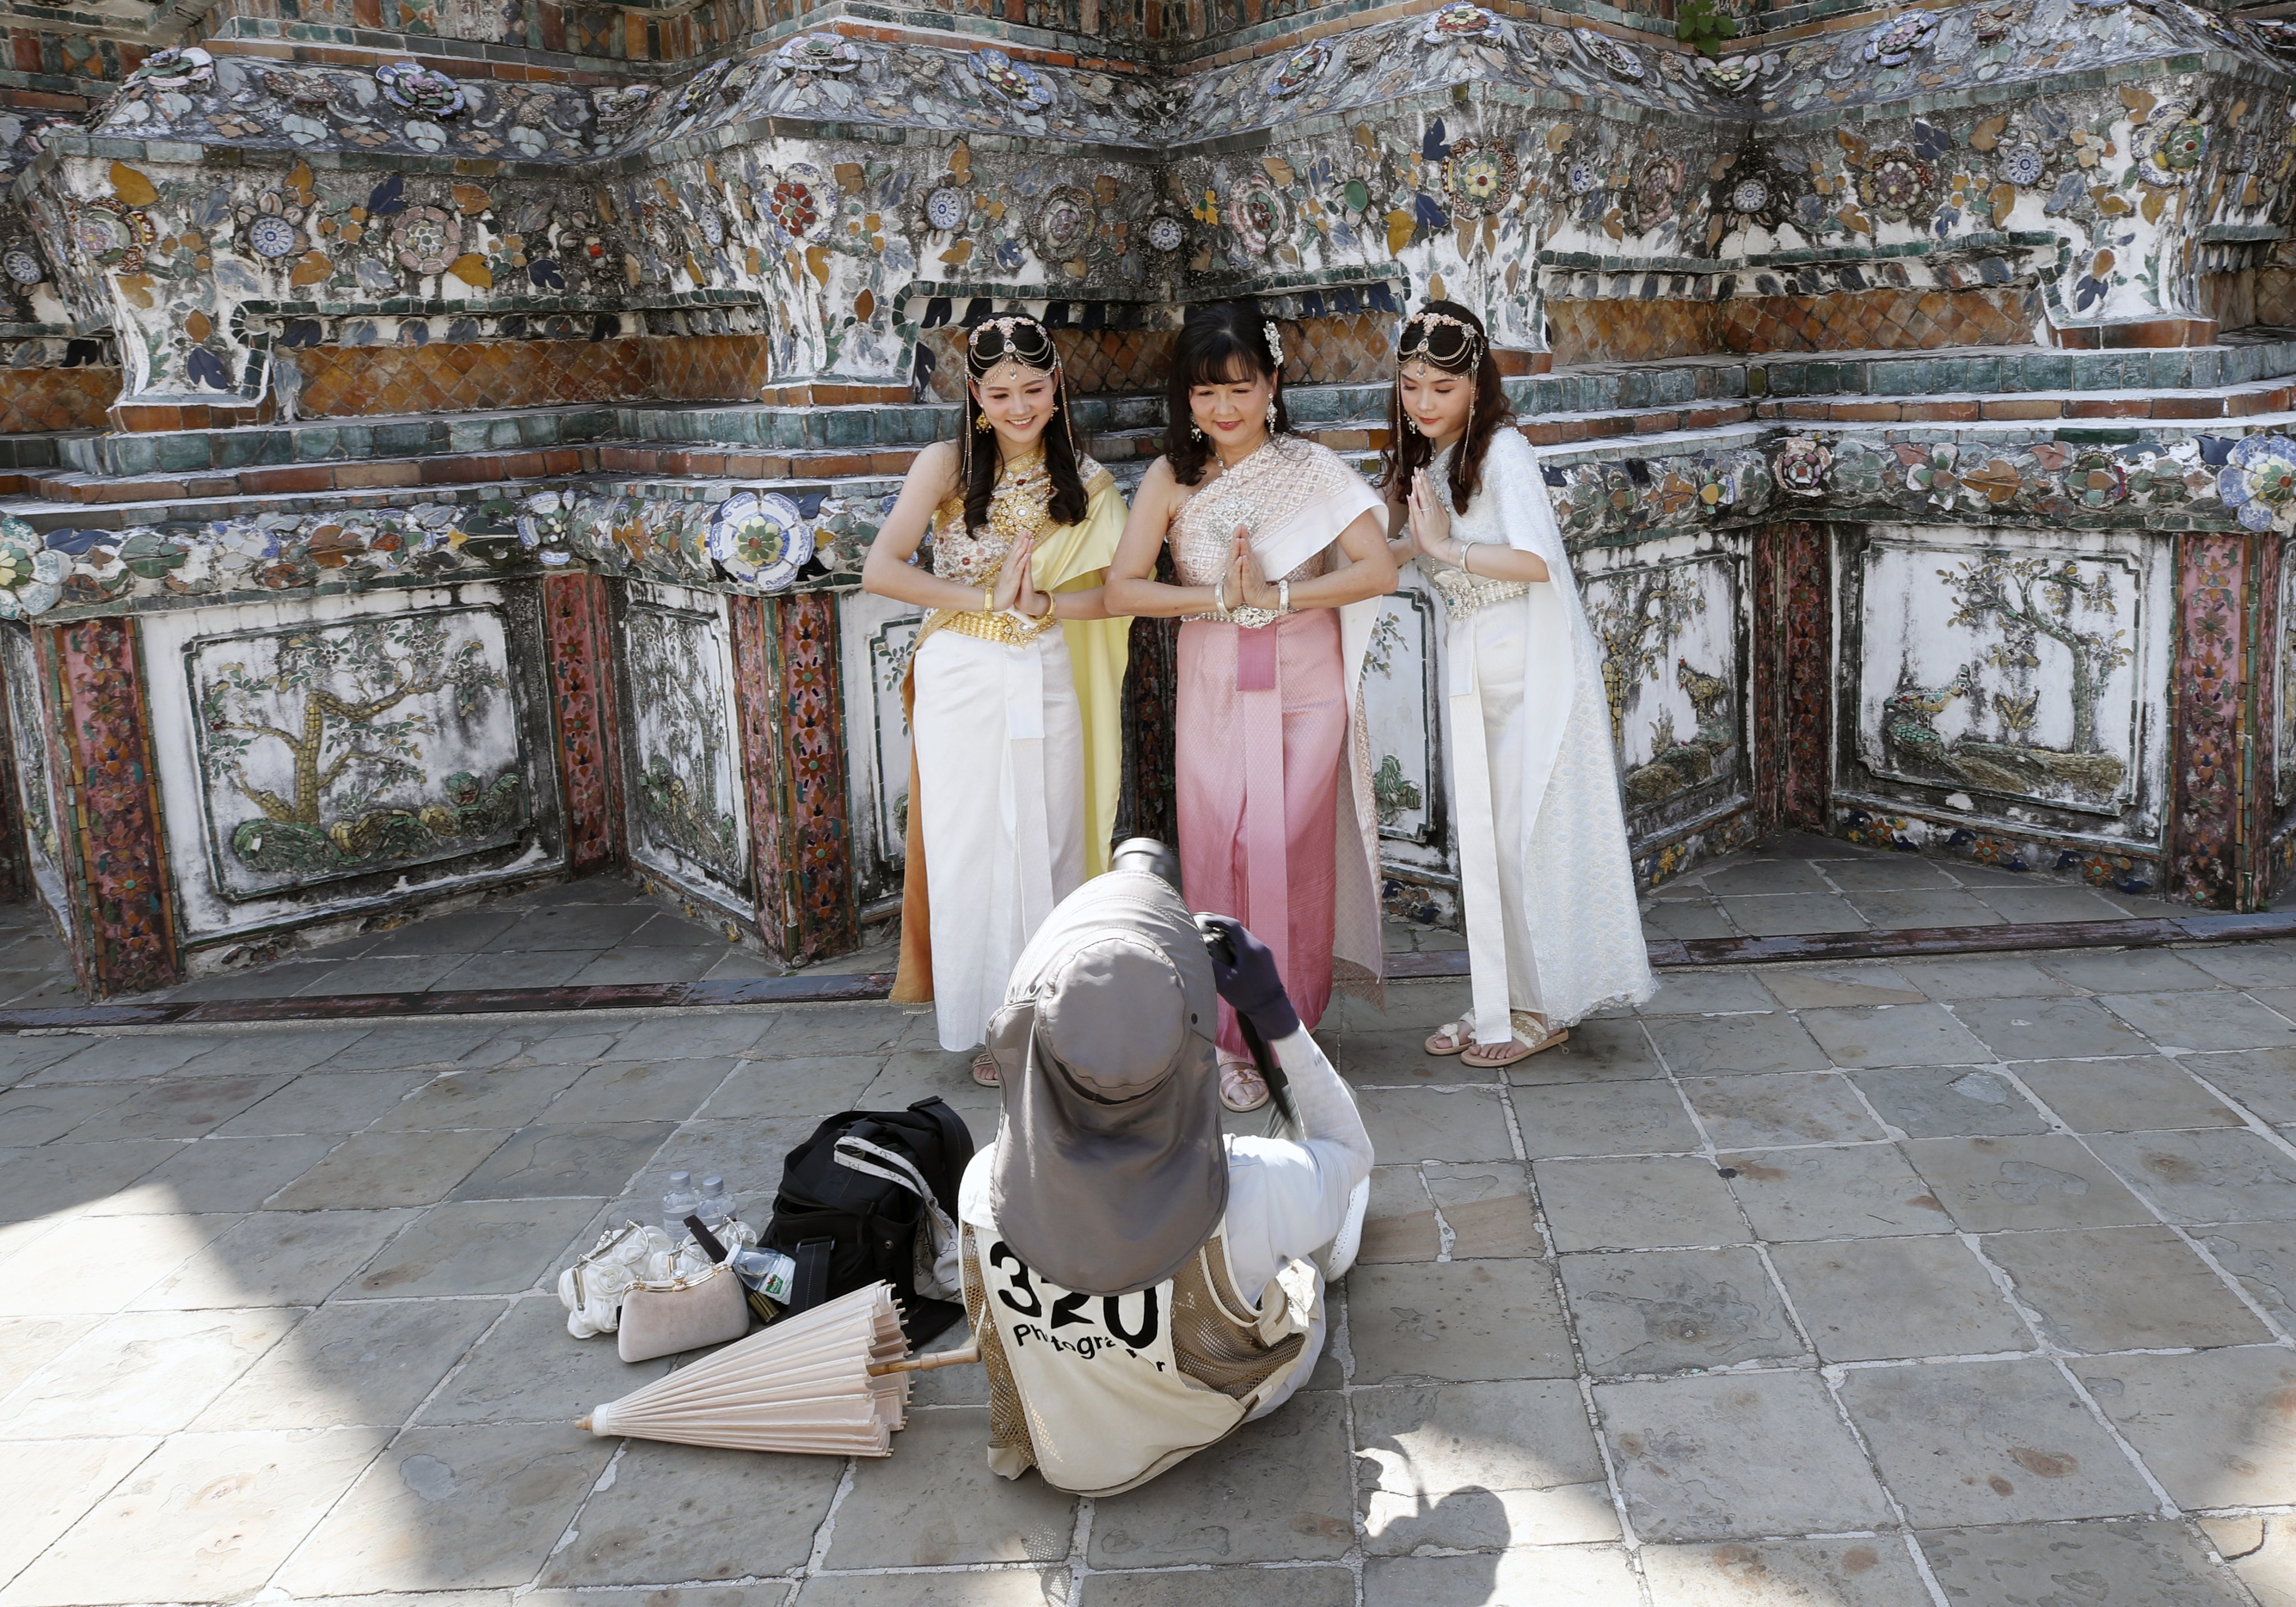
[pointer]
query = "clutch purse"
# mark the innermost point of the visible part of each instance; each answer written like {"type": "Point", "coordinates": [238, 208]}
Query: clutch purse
{"type": "Point", "coordinates": [684, 1314]}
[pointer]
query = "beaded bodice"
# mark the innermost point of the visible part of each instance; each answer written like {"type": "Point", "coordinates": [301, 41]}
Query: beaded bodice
{"type": "Point", "coordinates": [1264, 488]}
{"type": "Point", "coordinates": [1019, 505]}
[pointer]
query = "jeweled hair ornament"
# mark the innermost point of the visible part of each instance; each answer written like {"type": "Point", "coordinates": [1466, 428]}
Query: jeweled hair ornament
{"type": "Point", "coordinates": [1438, 337]}
{"type": "Point", "coordinates": [1014, 340]}
{"type": "Point", "coordinates": [1274, 342]}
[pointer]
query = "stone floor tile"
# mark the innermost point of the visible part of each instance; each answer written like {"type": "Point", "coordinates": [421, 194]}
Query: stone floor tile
{"type": "Point", "coordinates": [481, 1505]}
{"type": "Point", "coordinates": [2261, 1257]}
{"type": "Point", "coordinates": [1278, 1489]}
{"type": "Point", "coordinates": [2041, 1029]}
{"type": "Point", "coordinates": [814, 1030]}
{"type": "Point", "coordinates": [910, 1075]}
{"type": "Point", "coordinates": [2261, 1081]}
{"type": "Point", "coordinates": [1702, 1045]}
{"type": "Point", "coordinates": [1677, 1311]}
{"type": "Point", "coordinates": [141, 1373]}
{"type": "Point", "coordinates": [1702, 992]}
{"type": "Point", "coordinates": [994, 1588]}
{"type": "Point", "coordinates": [218, 1174]}
{"type": "Point", "coordinates": [1470, 1466]}
{"type": "Point", "coordinates": [479, 1247]}
{"type": "Point", "coordinates": [752, 1592]}
{"type": "Point", "coordinates": [1891, 873]}
{"type": "Point", "coordinates": [1323, 1586]}
{"type": "Point", "coordinates": [43, 1182]}
{"type": "Point", "coordinates": [522, 968]}
{"type": "Point", "coordinates": [1555, 1576]}
{"type": "Point", "coordinates": [1603, 1119]}
{"type": "Point", "coordinates": [2007, 1441]}
{"type": "Point", "coordinates": [1598, 1051]}
{"type": "Point", "coordinates": [211, 1516]}
{"type": "Point", "coordinates": [1786, 914]}
{"type": "Point", "coordinates": [1486, 1205]}
{"type": "Point", "coordinates": [375, 1170]}
{"type": "Point", "coordinates": [2144, 1565]}
{"type": "Point", "coordinates": [1998, 1184]}
{"type": "Point", "coordinates": [49, 1488]}
{"type": "Point", "coordinates": [748, 1154]}
{"type": "Point", "coordinates": [2213, 1426]}
{"type": "Point", "coordinates": [177, 1108]}
{"type": "Point", "coordinates": [1874, 1573]}
{"type": "Point", "coordinates": [1679, 1445]}
{"type": "Point", "coordinates": [1893, 1035]}
{"type": "Point", "coordinates": [98, 1265]}
{"type": "Point", "coordinates": [34, 1116]}
{"type": "Point", "coordinates": [479, 1099]}
{"type": "Point", "coordinates": [1949, 1101]}
{"type": "Point", "coordinates": [1686, 918]}
{"type": "Point", "coordinates": [276, 1259]}
{"type": "Point", "coordinates": [406, 1045]}
{"type": "Point", "coordinates": [1399, 1059]}
{"type": "Point", "coordinates": [2203, 1020]}
{"type": "Point", "coordinates": [814, 1085]}
{"type": "Point", "coordinates": [650, 1090]}
{"type": "Point", "coordinates": [1858, 1191]}
{"type": "Point", "coordinates": [1983, 977]}
{"type": "Point", "coordinates": [699, 1035]}
{"type": "Point", "coordinates": [2129, 970]}
{"type": "Point", "coordinates": [592, 1159]}
{"type": "Point", "coordinates": [371, 973]}
{"type": "Point", "coordinates": [2101, 1289]}
{"type": "Point", "coordinates": [624, 964]}
{"type": "Point", "coordinates": [934, 1502]}
{"type": "Point", "coordinates": [23, 1057]}
{"type": "Point", "coordinates": [28, 1343]}
{"type": "Point", "coordinates": [678, 1512]}
{"type": "Point", "coordinates": [352, 1362]}
{"type": "Point", "coordinates": [1760, 1110]}
{"type": "Point", "coordinates": [324, 1102]}
{"type": "Point", "coordinates": [1923, 909]}
{"type": "Point", "coordinates": [1881, 1299]}
{"type": "Point", "coordinates": [466, 932]}
{"type": "Point", "coordinates": [2043, 903]}
{"type": "Point", "coordinates": [2247, 964]}
{"type": "Point", "coordinates": [1460, 1321]}
{"type": "Point", "coordinates": [1400, 1224]}
{"type": "Point", "coordinates": [1429, 1124]}
{"type": "Point", "coordinates": [2262, 1551]}
{"type": "Point", "coordinates": [580, 1042]}
{"type": "Point", "coordinates": [579, 926]}
{"type": "Point", "coordinates": [269, 1051]}
{"type": "Point", "coordinates": [1758, 874]}
{"type": "Point", "coordinates": [1813, 986]}
{"type": "Point", "coordinates": [2212, 1174]}
{"type": "Point", "coordinates": [2137, 1094]}
{"type": "Point", "coordinates": [529, 1369]}
{"type": "Point", "coordinates": [128, 1057]}
{"type": "Point", "coordinates": [1641, 1203]}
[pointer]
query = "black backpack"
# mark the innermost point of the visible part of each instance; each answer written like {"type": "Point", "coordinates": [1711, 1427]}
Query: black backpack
{"type": "Point", "coordinates": [851, 1211]}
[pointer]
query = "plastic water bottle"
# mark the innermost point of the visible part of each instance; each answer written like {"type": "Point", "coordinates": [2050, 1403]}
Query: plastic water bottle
{"type": "Point", "coordinates": [681, 1202]}
{"type": "Point", "coordinates": [716, 1206]}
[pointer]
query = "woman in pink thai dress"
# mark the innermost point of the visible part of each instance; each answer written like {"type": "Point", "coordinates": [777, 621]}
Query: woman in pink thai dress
{"type": "Point", "coordinates": [1279, 550]}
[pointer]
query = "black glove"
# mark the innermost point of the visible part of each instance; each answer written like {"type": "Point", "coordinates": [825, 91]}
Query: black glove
{"type": "Point", "coordinates": [1247, 979]}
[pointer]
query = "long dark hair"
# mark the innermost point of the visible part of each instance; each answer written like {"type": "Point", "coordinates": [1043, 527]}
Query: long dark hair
{"type": "Point", "coordinates": [1445, 346]}
{"type": "Point", "coordinates": [1220, 344]}
{"type": "Point", "coordinates": [1017, 338]}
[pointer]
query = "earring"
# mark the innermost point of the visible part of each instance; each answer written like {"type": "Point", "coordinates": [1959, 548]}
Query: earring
{"type": "Point", "coordinates": [1195, 432]}
{"type": "Point", "coordinates": [1271, 412]}
{"type": "Point", "coordinates": [980, 421]}
{"type": "Point", "coordinates": [1410, 424]}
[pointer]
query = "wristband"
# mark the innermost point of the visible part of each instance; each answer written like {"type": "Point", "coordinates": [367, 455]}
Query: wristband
{"type": "Point", "coordinates": [1283, 596]}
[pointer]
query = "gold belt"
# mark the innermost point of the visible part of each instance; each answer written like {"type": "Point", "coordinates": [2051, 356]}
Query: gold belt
{"type": "Point", "coordinates": [1464, 593]}
{"type": "Point", "coordinates": [1003, 625]}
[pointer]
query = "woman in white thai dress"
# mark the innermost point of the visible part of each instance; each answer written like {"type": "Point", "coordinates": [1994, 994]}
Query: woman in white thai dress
{"type": "Point", "coordinates": [1012, 688]}
{"type": "Point", "coordinates": [1546, 882]}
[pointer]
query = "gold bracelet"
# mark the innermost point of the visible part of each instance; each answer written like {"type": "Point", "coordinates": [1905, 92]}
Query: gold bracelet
{"type": "Point", "coordinates": [988, 599]}
{"type": "Point", "coordinates": [1220, 595]}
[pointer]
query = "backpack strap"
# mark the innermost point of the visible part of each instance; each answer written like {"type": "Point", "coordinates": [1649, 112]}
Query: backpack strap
{"type": "Point", "coordinates": [955, 1149]}
{"type": "Point", "coordinates": [809, 1285]}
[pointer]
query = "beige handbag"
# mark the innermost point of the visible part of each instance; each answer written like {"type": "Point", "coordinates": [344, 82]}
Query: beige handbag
{"type": "Point", "coordinates": [686, 1314]}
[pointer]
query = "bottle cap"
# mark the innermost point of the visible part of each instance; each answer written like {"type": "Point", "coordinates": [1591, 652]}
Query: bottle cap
{"type": "Point", "coordinates": [713, 1186]}
{"type": "Point", "coordinates": [681, 1180]}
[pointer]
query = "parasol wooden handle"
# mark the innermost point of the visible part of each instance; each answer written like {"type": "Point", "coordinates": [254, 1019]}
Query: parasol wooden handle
{"type": "Point", "coordinates": [926, 1363]}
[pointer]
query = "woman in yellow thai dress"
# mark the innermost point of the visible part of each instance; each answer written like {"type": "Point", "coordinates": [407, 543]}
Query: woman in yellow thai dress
{"type": "Point", "coordinates": [1013, 685]}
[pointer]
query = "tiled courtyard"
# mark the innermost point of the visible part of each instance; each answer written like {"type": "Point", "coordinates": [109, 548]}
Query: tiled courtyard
{"type": "Point", "coordinates": [1965, 1281]}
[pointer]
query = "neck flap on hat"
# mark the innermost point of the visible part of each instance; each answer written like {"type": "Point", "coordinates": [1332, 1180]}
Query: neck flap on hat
{"type": "Point", "coordinates": [1110, 1169]}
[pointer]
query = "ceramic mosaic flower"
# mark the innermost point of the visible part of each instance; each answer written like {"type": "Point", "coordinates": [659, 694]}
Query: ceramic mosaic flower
{"type": "Point", "coordinates": [1016, 81]}
{"type": "Point", "coordinates": [1895, 184]}
{"type": "Point", "coordinates": [1934, 475]}
{"type": "Point", "coordinates": [425, 240]}
{"type": "Point", "coordinates": [1610, 55]}
{"type": "Point", "coordinates": [111, 233]}
{"type": "Point", "coordinates": [273, 237]}
{"type": "Point", "coordinates": [22, 264]}
{"type": "Point", "coordinates": [2098, 479]}
{"type": "Point", "coordinates": [1478, 176]}
{"type": "Point", "coordinates": [1459, 22]}
{"type": "Point", "coordinates": [420, 88]}
{"type": "Point", "coordinates": [1658, 179]}
{"type": "Point", "coordinates": [1257, 214]}
{"type": "Point", "coordinates": [178, 68]}
{"type": "Point", "coordinates": [2170, 145]}
{"type": "Point", "coordinates": [1062, 225]}
{"type": "Point", "coordinates": [760, 540]}
{"type": "Point", "coordinates": [700, 90]}
{"type": "Point", "coordinates": [1733, 75]}
{"type": "Point", "coordinates": [31, 574]}
{"type": "Point", "coordinates": [947, 206]}
{"type": "Point", "coordinates": [1298, 72]}
{"type": "Point", "coordinates": [1802, 466]}
{"type": "Point", "coordinates": [1993, 23]}
{"type": "Point", "coordinates": [793, 208]}
{"type": "Point", "coordinates": [1583, 177]}
{"type": "Point", "coordinates": [1165, 233]}
{"type": "Point", "coordinates": [818, 53]}
{"type": "Point", "coordinates": [2023, 165]}
{"type": "Point", "coordinates": [620, 108]}
{"type": "Point", "coordinates": [2258, 481]}
{"type": "Point", "coordinates": [1892, 44]}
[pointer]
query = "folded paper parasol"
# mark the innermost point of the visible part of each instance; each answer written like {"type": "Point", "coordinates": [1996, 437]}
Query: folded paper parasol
{"type": "Point", "coordinates": [832, 1381]}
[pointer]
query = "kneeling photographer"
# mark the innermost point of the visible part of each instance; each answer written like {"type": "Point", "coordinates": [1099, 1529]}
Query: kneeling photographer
{"type": "Point", "coordinates": [1140, 1283]}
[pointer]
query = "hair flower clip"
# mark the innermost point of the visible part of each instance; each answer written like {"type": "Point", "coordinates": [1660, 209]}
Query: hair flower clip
{"type": "Point", "coordinates": [1274, 342]}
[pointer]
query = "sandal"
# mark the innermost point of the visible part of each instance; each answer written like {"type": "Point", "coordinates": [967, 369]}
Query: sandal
{"type": "Point", "coordinates": [1454, 1037]}
{"type": "Point", "coordinates": [985, 1072]}
{"type": "Point", "coordinates": [1531, 1035]}
{"type": "Point", "coordinates": [1242, 1088]}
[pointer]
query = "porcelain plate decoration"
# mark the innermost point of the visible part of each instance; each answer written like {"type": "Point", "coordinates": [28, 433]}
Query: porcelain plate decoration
{"type": "Point", "coordinates": [178, 68]}
{"type": "Point", "coordinates": [1298, 72]}
{"type": "Point", "coordinates": [1892, 44]}
{"type": "Point", "coordinates": [22, 264]}
{"type": "Point", "coordinates": [2258, 481]}
{"type": "Point", "coordinates": [1016, 81]}
{"type": "Point", "coordinates": [760, 539]}
{"type": "Point", "coordinates": [1458, 22]}
{"type": "Point", "coordinates": [418, 88]}
{"type": "Point", "coordinates": [1165, 232]}
{"type": "Point", "coordinates": [1610, 55]}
